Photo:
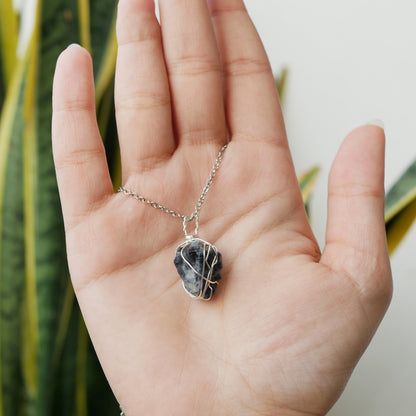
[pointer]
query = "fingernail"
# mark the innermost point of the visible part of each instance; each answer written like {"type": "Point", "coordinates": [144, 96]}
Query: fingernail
{"type": "Point", "coordinates": [73, 45]}
{"type": "Point", "coordinates": [377, 123]}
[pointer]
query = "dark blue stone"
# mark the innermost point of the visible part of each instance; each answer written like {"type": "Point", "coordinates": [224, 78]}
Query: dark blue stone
{"type": "Point", "coordinates": [197, 252]}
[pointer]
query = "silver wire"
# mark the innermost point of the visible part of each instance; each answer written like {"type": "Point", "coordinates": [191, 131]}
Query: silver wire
{"type": "Point", "coordinates": [185, 218]}
{"type": "Point", "coordinates": [208, 277]}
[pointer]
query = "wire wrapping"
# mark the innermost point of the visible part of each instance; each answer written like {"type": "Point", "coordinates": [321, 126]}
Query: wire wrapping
{"type": "Point", "coordinates": [199, 270]}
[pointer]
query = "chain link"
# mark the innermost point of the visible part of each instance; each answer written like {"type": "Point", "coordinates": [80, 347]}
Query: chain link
{"type": "Point", "coordinates": [173, 213]}
{"type": "Point", "coordinates": [147, 201]}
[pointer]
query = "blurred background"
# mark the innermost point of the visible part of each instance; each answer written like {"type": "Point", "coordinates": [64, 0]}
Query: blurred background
{"type": "Point", "coordinates": [351, 62]}
{"type": "Point", "coordinates": [347, 64]}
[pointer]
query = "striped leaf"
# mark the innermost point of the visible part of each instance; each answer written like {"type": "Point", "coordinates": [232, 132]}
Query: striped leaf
{"type": "Point", "coordinates": [307, 182]}
{"type": "Point", "coordinates": [8, 37]}
{"type": "Point", "coordinates": [2, 83]}
{"type": "Point", "coordinates": [64, 387]}
{"type": "Point", "coordinates": [400, 210]}
{"type": "Point", "coordinates": [281, 83]}
{"type": "Point", "coordinates": [58, 28]}
{"type": "Point", "coordinates": [30, 345]}
{"type": "Point", "coordinates": [12, 242]}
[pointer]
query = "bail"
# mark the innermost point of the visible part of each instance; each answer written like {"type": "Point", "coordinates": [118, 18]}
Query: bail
{"type": "Point", "coordinates": [187, 219]}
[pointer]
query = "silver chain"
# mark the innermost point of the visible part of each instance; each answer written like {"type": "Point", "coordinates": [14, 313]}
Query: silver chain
{"type": "Point", "coordinates": [175, 214]}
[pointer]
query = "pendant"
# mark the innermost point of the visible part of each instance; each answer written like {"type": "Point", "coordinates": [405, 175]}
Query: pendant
{"type": "Point", "coordinates": [198, 264]}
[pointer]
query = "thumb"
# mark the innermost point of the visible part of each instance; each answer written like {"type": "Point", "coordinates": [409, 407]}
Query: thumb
{"type": "Point", "coordinates": [356, 238]}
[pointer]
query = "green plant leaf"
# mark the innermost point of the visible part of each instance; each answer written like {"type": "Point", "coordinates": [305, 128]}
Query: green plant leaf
{"type": "Point", "coordinates": [281, 83]}
{"type": "Point", "coordinates": [103, 43]}
{"type": "Point", "coordinates": [12, 243]}
{"type": "Point", "coordinates": [59, 27]}
{"type": "Point", "coordinates": [81, 371]}
{"type": "Point", "coordinates": [108, 129]}
{"type": "Point", "coordinates": [84, 23]}
{"type": "Point", "coordinates": [64, 324]}
{"type": "Point", "coordinates": [30, 313]}
{"type": "Point", "coordinates": [400, 207]}
{"type": "Point", "coordinates": [307, 182]}
{"type": "Point", "coordinates": [101, 400]}
{"type": "Point", "coordinates": [8, 37]}
{"type": "Point", "coordinates": [64, 403]}
{"type": "Point", "coordinates": [2, 83]}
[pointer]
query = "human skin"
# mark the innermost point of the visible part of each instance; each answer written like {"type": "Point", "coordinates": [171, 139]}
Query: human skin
{"type": "Point", "coordinates": [289, 322]}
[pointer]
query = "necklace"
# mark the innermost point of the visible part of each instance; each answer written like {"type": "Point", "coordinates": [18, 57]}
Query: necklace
{"type": "Point", "coordinates": [198, 262]}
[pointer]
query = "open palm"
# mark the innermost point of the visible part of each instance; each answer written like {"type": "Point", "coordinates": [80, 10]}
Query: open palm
{"type": "Point", "coordinates": [288, 324]}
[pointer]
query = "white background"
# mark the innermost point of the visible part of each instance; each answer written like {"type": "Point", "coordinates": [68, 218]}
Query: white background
{"type": "Point", "coordinates": [351, 62]}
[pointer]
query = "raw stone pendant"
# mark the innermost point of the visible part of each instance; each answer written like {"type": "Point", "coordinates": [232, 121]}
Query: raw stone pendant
{"type": "Point", "coordinates": [198, 264]}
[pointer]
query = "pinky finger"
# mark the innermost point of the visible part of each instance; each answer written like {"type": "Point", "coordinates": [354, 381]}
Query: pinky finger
{"type": "Point", "coordinates": [79, 155]}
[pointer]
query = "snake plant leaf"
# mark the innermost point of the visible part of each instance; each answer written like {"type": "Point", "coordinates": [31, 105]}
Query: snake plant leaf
{"type": "Point", "coordinates": [103, 43]}
{"type": "Point", "coordinates": [59, 27]}
{"type": "Point", "coordinates": [307, 182]}
{"type": "Point", "coordinates": [2, 84]}
{"type": "Point", "coordinates": [101, 400]}
{"type": "Point", "coordinates": [108, 128]}
{"type": "Point", "coordinates": [64, 325]}
{"type": "Point", "coordinates": [64, 403]}
{"type": "Point", "coordinates": [400, 207]}
{"type": "Point", "coordinates": [30, 345]}
{"type": "Point", "coordinates": [8, 37]}
{"type": "Point", "coordinates": [84, 23]}
{"type": "Point", "coordinates": [8, 44]}
{"type": "Point", "coordinates": [281, 83]}
{"type": "Point", "coordinates": [12, 242]}
{"type": "Point", "coordinates": [81, 370]}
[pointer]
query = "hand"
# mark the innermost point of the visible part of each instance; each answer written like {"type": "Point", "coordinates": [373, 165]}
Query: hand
{"type": "Point", "coordinates": [288, 323]}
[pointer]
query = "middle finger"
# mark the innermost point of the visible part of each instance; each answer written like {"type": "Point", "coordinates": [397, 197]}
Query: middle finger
{"type": "Point", "coordinates": [194, 70]}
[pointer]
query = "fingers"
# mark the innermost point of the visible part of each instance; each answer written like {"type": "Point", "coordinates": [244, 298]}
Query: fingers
{"type": "Point", "coordinates": [194, 71]}
{"type": "Point", "coordinates": [142, 95]}
{"type": "Point", "coordinates": [252, 103]}
{"type": "Point", "coordinates": [80, 162]}
{"type": "Point", "coordinates": [356, 238]}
